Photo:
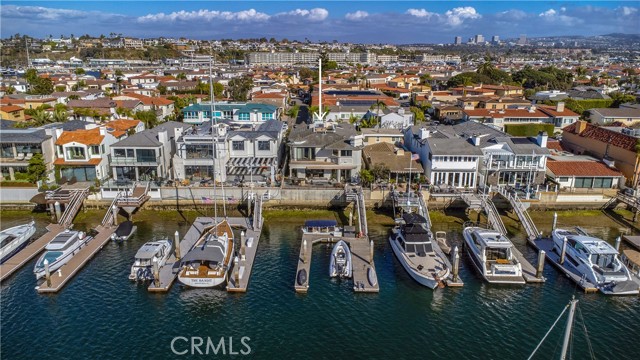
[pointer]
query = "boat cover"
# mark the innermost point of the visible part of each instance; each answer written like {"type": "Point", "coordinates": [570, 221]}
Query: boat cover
{"type": "Point", "coordinates": [320, 223]}
{"type": "Point", "coordinates": [124, 229]}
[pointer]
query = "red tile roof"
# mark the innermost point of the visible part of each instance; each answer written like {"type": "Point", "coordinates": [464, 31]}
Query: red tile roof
{"type": "Point", "coordinates": [581, 168]}
{"type": "Point", "coordinates": [551, 110]}
{"type": "Point", "coordinates": [597, 133]}
{"type": "Point", "coordinates": [10, 108]}
{"type": "Point", "coordinates": [77, 163]}
{"type": "Point", "coordinates": [87, 137]}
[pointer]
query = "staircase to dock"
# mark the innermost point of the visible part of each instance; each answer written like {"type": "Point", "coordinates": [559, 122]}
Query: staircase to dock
{"type": "Point", "coordinates": [493, 217]}
{"type": "Point", "coordinates": [521, 210]}
{"type": "Point", "coordinates": [109, 217]}
{"type": "Point", "coordinates": [473, 201]}
{"type": "Point", "coordinates": [76, 199]}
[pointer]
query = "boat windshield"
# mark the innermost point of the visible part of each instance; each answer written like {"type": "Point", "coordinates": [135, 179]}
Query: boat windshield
{"type": "Point", "coordinates": [51, 256]}
{"type": "Point", "coordinates": [6, 241]}
{"type": "Point", "coordinates": [603, 260]}
{"type": "Point", "coordinates": [420, 249]}
{"type": "Point", "coordinates": [498, 253]}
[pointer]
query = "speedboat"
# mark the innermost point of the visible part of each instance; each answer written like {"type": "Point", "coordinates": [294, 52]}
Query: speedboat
{"type": "Point", "coordinates": [492, 255]}
{"type": "Point", "coordinates": [207, 264]}
{"type": "Point", "coordinates": [124, 231]}
{"type": "Point", "coordinates": [595, 260]}
{"type": "Point", "coordinates": [142, 268]}
{"type": "Point", "coordinates": [412, 242]}
{"type": "Point", "coordinates": [340, 264]}
{"type": "Point", "coordinates": [322, 227]}
{"type": "Point", "coordinates": [60, 250]}
{"type": "Point", "coordinates": [15, 239]}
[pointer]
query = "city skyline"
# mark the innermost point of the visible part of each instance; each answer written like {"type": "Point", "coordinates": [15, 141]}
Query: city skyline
{"type": "Point", "coordinates": [354, 21]}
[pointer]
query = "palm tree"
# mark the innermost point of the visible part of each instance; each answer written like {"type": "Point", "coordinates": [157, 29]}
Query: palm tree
{"type": "Point", "coordinates": [41, 117]}
{"type": "Point", "coordinates": [379, 105]}
{"type": "Point", "coordinates": [60, 115]}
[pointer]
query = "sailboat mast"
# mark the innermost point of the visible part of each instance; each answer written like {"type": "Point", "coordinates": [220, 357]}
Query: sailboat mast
{"type": "Point", "coordinates": [26, 44]}
{"type": "Point", "coordinates": [214, 135]}
{"type": "Point", "coordinates": [567, 330]}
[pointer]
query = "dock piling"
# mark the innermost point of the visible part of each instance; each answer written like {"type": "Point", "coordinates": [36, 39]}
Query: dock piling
{"type": "Point", "coordinates": [58, 210]}
{"type": "Point", "coordinates": [237, 273]}
{"type": "Point", "coordinates": [456, 263]}
{"type": "Point", "coordinates": [47, 273]}
{"type": "Point", "coordinates": [555, 221]}
{"type": "Point", "coordinates": [304, 250]}
{"type": "Point", "coordinates": [618, 239]}
{"type": "Point", "coordinates": [115, 214]}
{"type": "Point", "coordinates": [564, 250]}
{"type": "Point", "coordinates": [156, 272]}
{"type": "Point", "coordinates": [371, 252]}
{"type": "Point", "coordinates": [540, 268]}
{"type": "Point", "coordinates": [242, 245]}
{"type": "Point", "coordinates": [176, 236]}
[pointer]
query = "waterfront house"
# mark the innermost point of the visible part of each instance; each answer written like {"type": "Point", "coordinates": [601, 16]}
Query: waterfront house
{"type": "Point", "coordinates": [395, 159]}
{"type": "Point", "coordinates": [372, 136]}
{"type": "Point", "coordinates": [252, 113]}
{"type": "Point", "coordinates": [146, 155]}
{"type": "Point", "coordinates": [500, 118]}
{"type": "Point", "coordinates": [584, 174]}
{"type": "Point", "coordinates": [324, 151]}
{"type": "Point", "coordinates": [18, 146]}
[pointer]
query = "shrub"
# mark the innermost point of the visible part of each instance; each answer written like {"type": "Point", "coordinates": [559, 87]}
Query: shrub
{"type": "Point", "coordinates": [528, 129]}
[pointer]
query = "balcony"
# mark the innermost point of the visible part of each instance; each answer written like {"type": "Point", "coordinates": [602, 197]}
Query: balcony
{"type": "Point", "coordinates": [134, 161]}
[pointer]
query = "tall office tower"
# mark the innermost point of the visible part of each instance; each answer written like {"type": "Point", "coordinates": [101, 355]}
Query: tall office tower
{"type": "Point", "coordinates": [495, 39]}
{"type": "Point", "coordinates": [522, 40]}
{"type": "Point", "coordinates": [479, 39]}
{"type": "Point", "coordinates": [458, 40]}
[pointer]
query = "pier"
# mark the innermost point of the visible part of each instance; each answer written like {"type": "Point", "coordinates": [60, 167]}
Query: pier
{"type": "Point", "coordinates": [60, 278]}
{"type": "Point", "coordinates": [365, 279]}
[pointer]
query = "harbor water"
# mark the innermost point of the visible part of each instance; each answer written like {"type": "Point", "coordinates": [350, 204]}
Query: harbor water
{"type": "Point", "coordinates": [101, 314]}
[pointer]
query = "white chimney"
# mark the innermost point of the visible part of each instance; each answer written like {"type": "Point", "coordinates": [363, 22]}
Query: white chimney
{"type": "Point", "coordinates": [560, 106]}
{"type": "Point", "coordinates": [356, 141]}
{"type": "Point", "coordinates": [542, 139]}
{"type": "Point", "coordinates": [103, 131]}
{"type": "Point", "coordinates": [163, 137]}
{"type": "Point", "coordinates": [610, 162]}
{"type": "Point", "coordinates": [424, 133]}
{"type": "Point", "coordinates": [475, 139]}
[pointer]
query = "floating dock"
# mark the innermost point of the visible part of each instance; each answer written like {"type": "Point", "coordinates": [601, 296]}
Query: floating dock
{"type": "Point", "coordinates": [364, 270]}
{"type": "Point", "coordinates": [632, 240]}
{"type": "Point", "coordinates": [241, 270]}
{"type": "Point", "coordinates": [546, 244]}
{"type": "Point", "coordinates": [29, 252]}
{"type": "Point", "coordinates": [67, 271]}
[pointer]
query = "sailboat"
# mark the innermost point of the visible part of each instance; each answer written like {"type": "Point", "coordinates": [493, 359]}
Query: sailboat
{"type": "Point", "coordinates": [208, 263]}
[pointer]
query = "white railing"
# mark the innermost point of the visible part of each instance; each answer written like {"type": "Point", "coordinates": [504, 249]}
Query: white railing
{"type": "Point", "coordinates": [493, 217]}
{"type": "Point", "coordinates": [362, 212]}
{"type": "Point", "coordinates": [424, 211]}
{"type": "Point", "coordinates": [521, 211]}
{"type": "Point", "coordinates": [109, 216]}
{"type": "Point", "coordinates": [72, 207]}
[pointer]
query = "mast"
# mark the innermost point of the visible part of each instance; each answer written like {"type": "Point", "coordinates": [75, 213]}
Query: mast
{"type": "Point", "coordinates": [567, 330]}
{"type": "Point", "coordinates": [214, 135]}
{"type": "Point", "coordinates": [26, 44]}
{"type": "Point", "coordinates": [320, 115]}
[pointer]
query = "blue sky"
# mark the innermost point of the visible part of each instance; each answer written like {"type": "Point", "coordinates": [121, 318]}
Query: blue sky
{"type": "Point", "coordinates": [354, 21]}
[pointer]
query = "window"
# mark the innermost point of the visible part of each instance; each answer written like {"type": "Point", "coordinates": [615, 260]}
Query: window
{"type": "Point", "coordinates": [264, 145]}
{"type": "Point", "coordinates": [75, 153]}
{"type": "Point", "coordinates": [267, 116]}
{"type": "Point", "coordinates": [563, 179]}
{"type": "Point", "coordinates": [582, 182]}
{"type": "Point", "coordinates": [237, 145]}
{"type": "Point", "coordinates": [243, 116]}
{"type": "Point", "coordinates": [345, 153]}
{"type": "Point", "coordinates": [95, 150]}
{"type": "Point", "coordinates": [146, 155]}
{"type": "Point", "coordinates": [7, 151]}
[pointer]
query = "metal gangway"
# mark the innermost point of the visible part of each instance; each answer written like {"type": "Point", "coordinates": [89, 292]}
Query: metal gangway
{"type": "Point", "coordinates": [521, 210]}
{"type": "Point", "coordinates": [71, 209]}
{"type": "Point", "coordinates": [362, 211]}
{"type": "Point", "coordinates": [257, 210]}
{"type": "Point", "coordinates": [493, 217]}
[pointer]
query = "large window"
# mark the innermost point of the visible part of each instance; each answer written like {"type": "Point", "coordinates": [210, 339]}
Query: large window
{"type": "Point", "coordinates": [264, 145]}
{"type": "Point", "coordinates": [598, 183]}
{"type": "Point", "coordinates": [76, 153]}
{"type": "Point", "coordinates": [198, 172]}
{"type": "Point", "coordinates": [7, 151]}
{"type": "Point", "coordinates": [267, 116]}
{"type": "Point", "coordinates": [305, 154]}
{"type": "Point", "coordinates": [199, 151]}
{"type": "Point", "coordinates": [145, 155]}
{"type": "Point", "coordinates": [243, 116]}
{"type": "Point", "coordinates": [237, 145]}
{"type": "Point", "coordinates": [82, 173]}
{"type": "Point", "coordinates": [123, 153]}
{"type": "Point", "coordinates": [95, 150]}
{"type": "Point", "coordinates": [345, 153]}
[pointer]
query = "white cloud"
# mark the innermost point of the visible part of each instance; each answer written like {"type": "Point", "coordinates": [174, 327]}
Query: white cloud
{"type": "Point", "coordinates": [512, 15]}
{"type": "Point", "coordinates": [552, 15]}
{"type": "Point", "coordinates": [457, 16]}
{"type": "Point", "coordinates": [358, 15]}
{"type": "Point", "coordinates": [42, 13]}
{"type": "Point", "coordinates": [626, 10]}
{"type": "Point", "coordinates": [421, 13]}
{"type": "Point", "coordinates": [205, 15]}
{"type": "Point", "coordinates": [316, 14]}
{"type": "Point", "coordinates": [548, 13]}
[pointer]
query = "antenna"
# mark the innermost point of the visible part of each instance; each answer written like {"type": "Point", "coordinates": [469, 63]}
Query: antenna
{"type": "Point", "coordinates": [319, 116]}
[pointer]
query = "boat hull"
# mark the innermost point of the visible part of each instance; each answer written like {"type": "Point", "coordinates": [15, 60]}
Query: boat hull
{"type": "Point", "coordinates": [202, 282]}
{"type": "Point", "coordinates": [54, 266]}
{"type": "Point", "coordinates": [419, 278]}
{"type": "Point", "coordinates": [479, 266]}
{"type": "Point", "coordinates": [340, 270]}
{"type": "Point", "coordinates": [18, 243]}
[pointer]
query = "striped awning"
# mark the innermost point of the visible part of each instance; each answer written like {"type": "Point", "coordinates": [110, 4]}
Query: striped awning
{"type": "Point", "coordinates": [251, 162]}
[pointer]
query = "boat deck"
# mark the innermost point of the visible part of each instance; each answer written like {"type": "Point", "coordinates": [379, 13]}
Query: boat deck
{"type": "Point", "coordinates": [546, 244]}
{"type": "Point", "coordinates": [360, 256]}
{"type": "Point", "coordinates": [68, 270]}
{"type": "Point", "coordinates": [25, 255]}
{"type": "Point", "coordinates": [241, 272]}
{"type": "Point", "coordinates": [528, 270]}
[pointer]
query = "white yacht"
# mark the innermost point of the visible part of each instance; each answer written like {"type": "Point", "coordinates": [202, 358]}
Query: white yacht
{"type": "Point", "coordinates": [60, 250]}
{"type": "Point", "coordinates": [142, 268]}
{"type": "Point", "coordinates": [322, 227]}
{"type": "Point", "coordinates": [596, 260]}
{"type": "Point", "coordinates": [207, 264]}
{"type": "Point", "coordinates": [124, 231]}
{"type": "Point", "coordinates": [15, 239]}
{"type": "Point", "coordinates": [412, 242]}
{"type": "Point", "coordinates": [340, 264]}
{"type": "Point", "coordinates": [491, 254]}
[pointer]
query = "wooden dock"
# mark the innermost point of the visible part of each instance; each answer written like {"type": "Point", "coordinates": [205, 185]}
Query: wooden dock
{"type": "Point", "coordinates": [169, 271]}
{"type": "Point", "coordinates": [241, 270]}
{"type": "Point", "coordinates": [546, 244]}
{"type": "Point", "coordinates": [29, 252]}
{"type": "Point", "coordinates": [528, 270]}
{"type": "Point", "coordinates": [632, 240]}
{"type": "Point", "coordinates": [365, 279]}
{"type": "Point", "coordinates": [68, 270]}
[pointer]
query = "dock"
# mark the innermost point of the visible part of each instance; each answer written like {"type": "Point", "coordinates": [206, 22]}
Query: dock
{"type": "Point", "coordinates": [242, 268]}
{"type": "Point", "coordinates": [29, 252]}
{"type": "Point", "coordinates": [60, 278]}
{"type": "Point", "coordinates": [632, 240]}
{"type": "Point", "coordinates": [365, 279]}
{"type": "Point", "coordinates": [546, 244]}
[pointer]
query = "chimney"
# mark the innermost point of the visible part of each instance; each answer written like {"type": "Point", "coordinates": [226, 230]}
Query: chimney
{"type": "Point", "coordinates": [475, 139]}
{"type": "Point", "coordinates": [163, 137]}
{"type": "Point", "coordinates": [400, 152]}
{"type": "Point", "coordinates": [610, 162]}
{"type": "Point", "coordinates": [560, 106]}
{"type": "Point", "coordinates": [542, 139]}
{"type": "Point", "coordinates": [424, 133]}
{"type": "Point", "coordinates": [581, 126]}
{"type": "Point", "coordinates": [356, 141]}
{"type": "Point", "coordinates": [103, 131]}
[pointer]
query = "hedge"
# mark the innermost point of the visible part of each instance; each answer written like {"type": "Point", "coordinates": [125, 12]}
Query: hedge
{"type": "Point", "coordinates": [528, 129]}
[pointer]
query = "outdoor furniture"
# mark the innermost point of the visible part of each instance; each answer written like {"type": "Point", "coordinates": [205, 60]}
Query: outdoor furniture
{"type": "Point", "coordinates": [20, 156]}
{"type": "Point", "coordinates": [29, 156]}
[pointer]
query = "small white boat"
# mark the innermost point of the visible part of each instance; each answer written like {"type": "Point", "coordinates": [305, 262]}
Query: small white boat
{"type": "Point", "coordinates": [15, 239]}
{"type": "Point", "coordinates": [208, 263]}
{"type": "Point", "coordinates": [491, 254]}
{"type": "Point", "coordinates": [340, 265]}
{"type": "Point", "coordinates": [322, 227]}
{"type": "Point", "coordinates": [60, 250]}
{"type": "Point", "coordinates": [412, 243]}
{"type": "Point", "coordinates": [124, 231]}
{"type": "Point", "coordinates": [596, 260]}
{"type": "Point", "coordinates": [142, 268]}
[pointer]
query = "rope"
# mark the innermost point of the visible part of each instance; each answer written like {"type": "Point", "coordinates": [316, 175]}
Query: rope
{"type": "Point", "coordinates": [586, 334]}
{"type": "Point", "coordinates": [547, 334]}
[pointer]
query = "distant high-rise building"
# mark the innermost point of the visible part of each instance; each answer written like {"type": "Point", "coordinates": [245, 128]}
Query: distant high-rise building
{"type": "Point", "coordinates": [495, 39]}
{"type": "Point", "coordinates": [522, 40]}
{"type": "Point", "coordinates": [479, 39]}
{"type": "Point", "coordinates": [458, 40]}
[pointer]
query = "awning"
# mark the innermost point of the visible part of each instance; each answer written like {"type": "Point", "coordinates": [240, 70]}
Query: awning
{"type": "Point", "coordinates": [251, 162]}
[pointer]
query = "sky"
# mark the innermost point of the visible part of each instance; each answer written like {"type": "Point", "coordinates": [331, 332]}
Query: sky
{"type": "Point", "coordinates": [399, 22]}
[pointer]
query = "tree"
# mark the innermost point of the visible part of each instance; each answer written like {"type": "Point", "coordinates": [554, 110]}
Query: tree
{"type": "Point", "coordinates": [36, 170]}
{"type": "Point", "coordinates": [366, 177]}
{"type": "Point", "coordinates": [60, 115]}
{"type": "Point", "coordinates": [42, 86]}
{"type": "Point", "coordinates": [149, 118]}
{"type": "Point", "coordinates": [293, 111]}
{"type": "Point", "coordinates": [239, 88]}
{"type": "Point", "coordinates": [31, 75]}
{"type": "Point", "coordinates": [418, 114]}
{"type": "Point", "coordinates": [41, 117]}
{"type": "Point", "coordinates": [379, 105]}
{"type": "Point", "coordinates": [10, 90]}
{"type": "Point", "coordinates": [162, 89]}
{"type": "Point", "coordinates": [380, 171]}
{"type": "Point", "coordinates": [79, 71]}
{"type": "Point", "coordinates": [122, 112]}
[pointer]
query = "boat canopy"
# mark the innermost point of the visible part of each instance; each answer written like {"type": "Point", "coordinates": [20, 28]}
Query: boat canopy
{"type": "Point", "coordinates": [124, 228]}
{"type": "Point", "coordinates": [148, 250]}
{"type": "Point", "coordinates": [413, 218]}
{"type": "Point", "coordinates": [212, 253]}
{"type": "Point", "coordinates": [320, 223]}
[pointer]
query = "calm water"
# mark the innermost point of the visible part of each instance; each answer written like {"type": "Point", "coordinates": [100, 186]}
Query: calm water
{"type": "Point", "coordinates": [101, 314]}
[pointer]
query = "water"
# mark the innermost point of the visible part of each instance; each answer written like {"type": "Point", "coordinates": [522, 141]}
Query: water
{"type": "Point", "coordinates": [100, 313]}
